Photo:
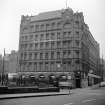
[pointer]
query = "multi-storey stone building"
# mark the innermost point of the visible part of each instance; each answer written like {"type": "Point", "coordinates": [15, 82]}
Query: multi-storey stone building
{"type": "Point", "coordinates": [59, 43]}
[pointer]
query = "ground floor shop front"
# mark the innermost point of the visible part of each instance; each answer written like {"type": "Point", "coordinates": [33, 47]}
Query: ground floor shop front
{"type": "Point", "coordinates": [75, 79]}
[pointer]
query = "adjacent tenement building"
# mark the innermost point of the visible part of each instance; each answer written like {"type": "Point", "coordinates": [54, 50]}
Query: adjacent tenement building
{"type": "Point", "coordinates": [58, 43]}
{"type": "Point", "coordinates": [1, 65]}
{"type": "Point", "coordinates": [10, 62]}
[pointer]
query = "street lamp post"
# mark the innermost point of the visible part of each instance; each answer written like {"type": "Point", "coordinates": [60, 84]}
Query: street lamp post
{"type": "Point", "coordinates": [69, 83]}
{"type": "Point", "coordinates": [2, 79]}
{"type": "Point", "coordinates": [3, 69]}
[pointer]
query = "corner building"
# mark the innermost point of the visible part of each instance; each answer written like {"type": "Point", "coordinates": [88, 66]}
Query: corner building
{"type": "Point", "coordinates": [59, 43]}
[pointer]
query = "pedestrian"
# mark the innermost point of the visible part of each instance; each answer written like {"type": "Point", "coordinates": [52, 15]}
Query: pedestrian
{"type": "Point", "coordinates": [69, 90]}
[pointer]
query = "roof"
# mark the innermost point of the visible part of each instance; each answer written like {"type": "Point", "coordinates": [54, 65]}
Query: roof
{"type": "Point", "coordinates": [48, 15]}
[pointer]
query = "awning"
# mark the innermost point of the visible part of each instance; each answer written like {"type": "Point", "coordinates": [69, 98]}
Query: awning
{"type": "Point", "coordinates": [93, 75]}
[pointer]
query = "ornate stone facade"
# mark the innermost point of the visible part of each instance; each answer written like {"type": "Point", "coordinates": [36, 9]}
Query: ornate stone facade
{"type": "Point", "coordinates": [57, 42]}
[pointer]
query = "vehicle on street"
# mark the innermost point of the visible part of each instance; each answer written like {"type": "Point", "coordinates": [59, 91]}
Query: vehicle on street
{"type": "Point", "coordinates": [102, 84]}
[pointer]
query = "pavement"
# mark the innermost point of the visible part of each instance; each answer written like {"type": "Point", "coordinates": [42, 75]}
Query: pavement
{"type": "Point", "coordinates": [42, 94]}
{"type": "Point", "coordinates": [26, 95]}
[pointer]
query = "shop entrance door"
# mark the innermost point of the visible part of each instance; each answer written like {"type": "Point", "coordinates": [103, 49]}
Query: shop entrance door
{"type": "Point", "coordinates": [78, 83]}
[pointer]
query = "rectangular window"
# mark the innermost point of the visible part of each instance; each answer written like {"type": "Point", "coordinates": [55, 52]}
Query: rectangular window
{"type": "Point", "coordinates": [52, 55]}
{"type": "Point", "coordinates": [26, 37]}
{"type": "Point", "coordinates": [77, 61]}
{"type": "Point", "coordinates": [64, 34]}
{"type": "Point", "coordinates": [77, 22]}
{"type": "Point", "coordinates": [37, 27]}
{"type": "Point", "coordinates": [47, 26]}
{"type": "Point", "coordinates": [47, 36]}
{"type": "Point", "coordinates": [52, 66]}
{"type": "Point", "coordinates": [22, 38]}
{"type": "Point", "coordinates": [69, 43]}
{"type": "Point", "coordinates": [58, 44]}
{"type": "Point", "coordinates": [46, 55]}
{"type": "Point", "coordinates": [69, 33]}
{"type": "Point", "coordinates": [46, 66]}
{"type": "Point", "coordinates": [77, 52]}
{"type": "Point", "coordinates": [69, 52]}
{"type": "Point", "coordinates": [58, 35]}
{"type": "Point", "coordinates": [41, 55]}
{"type": "Point", "coordinates": [35, 66]}
{"type": "Point", "coordinates": [30, 56]}
{"type": "Point", "coordinates": [35, 56]}
{"type": "Point", "coordinates": [21, 46]}
{"type": "Point", "coordinates": [52, 36]}
{"type": "Point", "coordinates": [21, 55]}
{"type": "Point", "coordinates": [52, 44]}
{"type": "Point", "coordinates": [36, 45]}
{"type": "Point", "coordinates": [42, 26]}
{"type": "Point", "coordinates": [41, 45]}
{"type": "Point", "coordinates": [31, 37]}
{"type": "Point", "coordinates": [64, 43]}
{"type": "Point", "coordinates": [41, 66]}
{"type": "Point", "coordinates": [64, 54]}
{"type": "Point", "coordinates": [25, 29]}
{"type": "Point", "coordinates": [32, 28]}
{"type": "Point", "coordinates": [77, 33]}
{"type": "Point", "coordinates": [42, 37]}
{"type": "Point", "coordinates": [25, 56]}
{"type": "Point", "coordinates": [36, 37]}
{"type": "Point", "coordinates": [31, 46]}
{"type": "Point", "coordinates": [53, 25]}
{"type": "Point", "coordinates": [58, 24]}
{"type": "Point", "coordinates": [77, 42]}
{"type": "Point", "coordinates": [26, 46]}
{"type": "Point", "coordinates": [47, 44]}
{"type": "Point", "coordinates": [58, 55]}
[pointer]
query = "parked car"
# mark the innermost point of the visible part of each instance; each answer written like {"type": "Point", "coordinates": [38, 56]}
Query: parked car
{"type": "Point", "coordinates": [102, 84]}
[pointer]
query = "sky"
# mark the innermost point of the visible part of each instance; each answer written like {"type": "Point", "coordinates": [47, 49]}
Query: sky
{"type": "Point", "coordinates": [11, 11]}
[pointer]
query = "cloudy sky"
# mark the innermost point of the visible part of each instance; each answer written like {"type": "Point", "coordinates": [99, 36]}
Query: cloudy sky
{"type": "Point", "coordinates": [11, 11]}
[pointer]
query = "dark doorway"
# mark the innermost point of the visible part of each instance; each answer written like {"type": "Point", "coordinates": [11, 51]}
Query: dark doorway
{"type": "Point", "coordinates": [78, 83]}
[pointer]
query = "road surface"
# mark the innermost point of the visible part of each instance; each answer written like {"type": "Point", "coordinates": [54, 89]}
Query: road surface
{"type": "Point", "coordinates": [77, 97]}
